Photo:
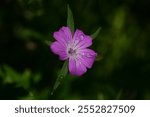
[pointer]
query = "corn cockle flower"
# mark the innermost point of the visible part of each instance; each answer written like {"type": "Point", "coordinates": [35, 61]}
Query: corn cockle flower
{"type": "Point", "coordinates": [75, 49]}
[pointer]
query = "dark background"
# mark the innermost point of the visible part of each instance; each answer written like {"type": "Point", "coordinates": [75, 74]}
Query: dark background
{"type": "Point", "coordinates": [28, 69]}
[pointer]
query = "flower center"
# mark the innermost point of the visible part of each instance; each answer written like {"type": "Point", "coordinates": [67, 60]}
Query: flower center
{"type": "Point", "coordinates": [72, 52]}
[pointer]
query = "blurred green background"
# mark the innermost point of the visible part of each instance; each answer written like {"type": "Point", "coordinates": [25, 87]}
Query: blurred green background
{"type": "Point", "coordinates": [28, 69]}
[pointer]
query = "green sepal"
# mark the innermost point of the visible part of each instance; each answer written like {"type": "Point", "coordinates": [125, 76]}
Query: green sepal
{"type": "Point", "coordinates": [62, 74]}
{"type": "Point", "coordinates": [70, 21]}
{"type": "Point", "coordinates": [94, 35]}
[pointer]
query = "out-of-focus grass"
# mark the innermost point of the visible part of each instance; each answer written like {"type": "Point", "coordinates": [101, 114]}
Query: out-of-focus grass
{"type": "Point", "coordinates": [28, 69]}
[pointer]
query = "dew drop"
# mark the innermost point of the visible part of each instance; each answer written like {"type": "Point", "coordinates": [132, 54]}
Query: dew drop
{"type": "Point", "coordinates": [82, 37]}
{"type": "Point", "coordinates": [88, 55]}
{"type": "Point", "coordinates": [61, 77]}
{"type": "Point", "coordinates": [83, 53]}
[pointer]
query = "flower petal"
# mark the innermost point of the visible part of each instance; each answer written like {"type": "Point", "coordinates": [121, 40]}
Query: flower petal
{"type": "Point", "coordinates": [76, 67]}
{"type": "Point", "coordinates": [59, 49]}
{"type": "Point", "coordinates": [87, 57]}
{"type": "Point", "coordinates": [64, 35]}
{"type": "Point", "coordinates": [81, 40]}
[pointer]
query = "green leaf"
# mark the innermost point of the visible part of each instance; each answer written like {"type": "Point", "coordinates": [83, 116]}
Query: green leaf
{"type": "Point", "coordinates": [61, 76]}
{"type": "Point", "coordinates": [94, 35]}
{"type": "Point", "coordinates": [70, 21]}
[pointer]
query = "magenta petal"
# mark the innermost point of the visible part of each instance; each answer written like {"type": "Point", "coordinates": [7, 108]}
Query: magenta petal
{"type": "Point", "coordinates": [63, 55]}
{"type": "Point", "coordinates": [59, 49]}
{"type": "Point", "coordinates": [81, 69]}
{"type": "Point", "coordinates": [72, 66]}
{"type": "Point", "coordinates": [76, 67]}
{"type": "Point", "coordinates": [64, 35]}
{"type": "Point", "coordinates": [82, 39]}
{"type": "Point", "coordinates": [87, 57]}
{"type": "Point", "coordinates": [56, 47]}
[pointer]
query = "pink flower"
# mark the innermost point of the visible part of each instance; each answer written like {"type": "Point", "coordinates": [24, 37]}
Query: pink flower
{"type": "Point", "coordinates": [75, 49]}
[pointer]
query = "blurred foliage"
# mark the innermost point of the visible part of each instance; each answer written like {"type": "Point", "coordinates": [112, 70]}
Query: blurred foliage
{"type": "Point", "coordinates": [28, 69]}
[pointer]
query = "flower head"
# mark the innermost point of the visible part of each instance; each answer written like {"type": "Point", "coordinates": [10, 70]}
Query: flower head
{"type": "Point", "coordinates": [75, 49]}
